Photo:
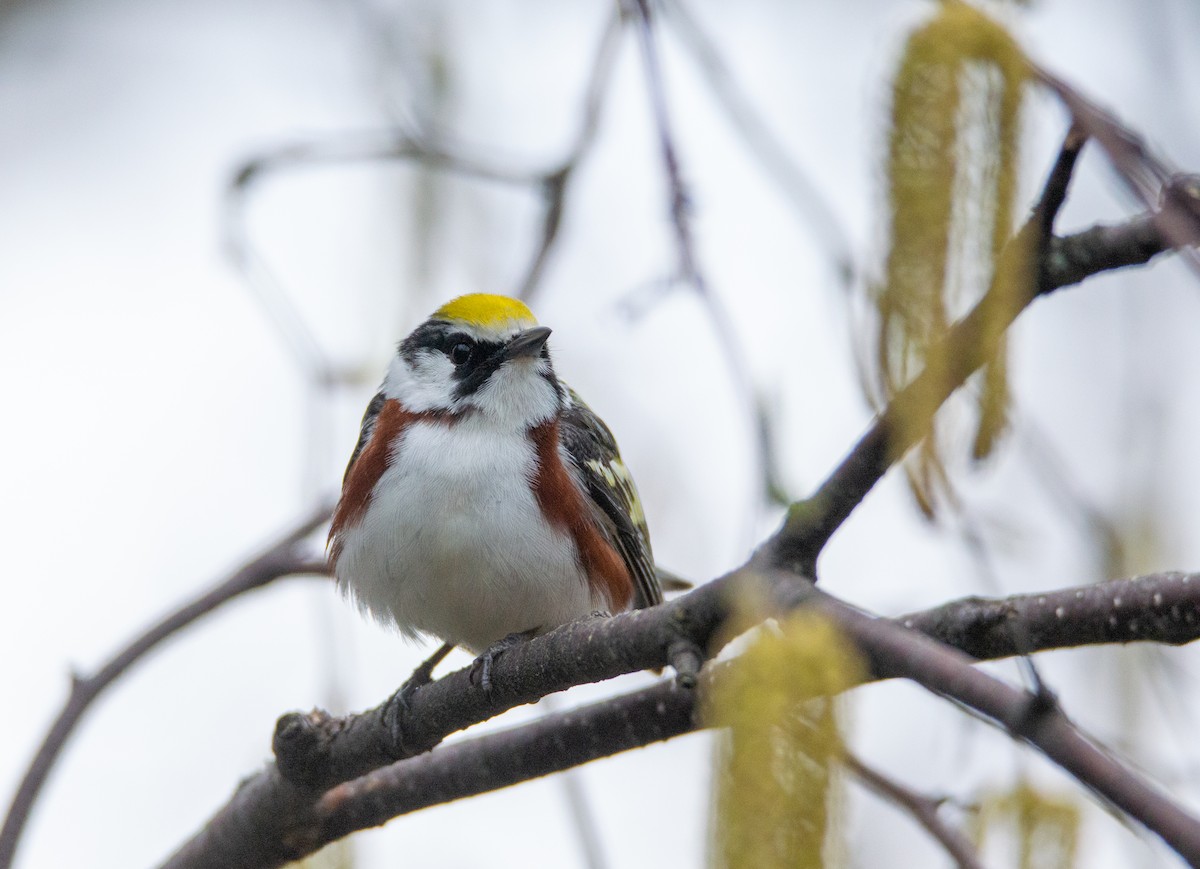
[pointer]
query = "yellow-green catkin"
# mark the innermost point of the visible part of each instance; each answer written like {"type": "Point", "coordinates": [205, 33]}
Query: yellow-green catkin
{"type": "Point", "coordinates": [776, 777]}
{"type": "Point", "coordinates": [952, 178]}
{"type": "Point", "coordinates": [1044, 827]}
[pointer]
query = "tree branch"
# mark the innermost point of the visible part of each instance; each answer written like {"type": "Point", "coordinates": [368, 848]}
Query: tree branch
{"type": "Point", "coordinates": [273, 819]}
{"type": "Point", "coordinates": [1061, 262]}
{"type": "Point", "coordinates": [270, 820]}
{"type": "Point", "coordinates": [284, 557]}
{"type": "Point", "coordinates": [680, 208]}
{"type": "Point", "coordinates": [792, 181]}
{"type": "Point", "coordinates": [923, 809]}
{"type": "Point", "coordinates": [1102, 248]}
{"type": "Point", "coordinates": [1173, 198]}
{"type": "Point", "coordinates": [1160, 608]}
{"type": "Point", "coordinates": [556, 182]}
{"type": "Point", "coordinates": [1032, 717]}
{"type": "Point", "coordinates": [318, 751]}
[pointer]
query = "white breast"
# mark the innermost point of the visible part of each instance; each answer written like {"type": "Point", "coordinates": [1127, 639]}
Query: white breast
{"type": "Point", "coordinates": [454, 544]}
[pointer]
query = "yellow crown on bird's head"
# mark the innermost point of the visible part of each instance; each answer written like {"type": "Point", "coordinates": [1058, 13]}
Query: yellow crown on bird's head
{"type": "Point", "coordinates": [487, 313]}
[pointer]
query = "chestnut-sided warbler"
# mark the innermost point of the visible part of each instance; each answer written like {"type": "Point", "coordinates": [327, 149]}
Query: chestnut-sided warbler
{"type": "Point", "coordinates": [484, 499]}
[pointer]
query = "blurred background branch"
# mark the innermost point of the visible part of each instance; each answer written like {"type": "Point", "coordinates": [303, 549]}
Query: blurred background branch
{"type": "Point", "coordinates": [290, 555]}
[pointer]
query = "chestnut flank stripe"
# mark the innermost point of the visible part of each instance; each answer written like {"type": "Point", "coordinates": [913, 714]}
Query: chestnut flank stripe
{"type": "Point", "coordinates": [369, 467]}
{"type": "Point", "coordinates": [563, 504]}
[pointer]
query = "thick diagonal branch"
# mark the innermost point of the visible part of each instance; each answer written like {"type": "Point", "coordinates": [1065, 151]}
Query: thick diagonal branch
{"type": "Point", "coordinates": [270, 820]}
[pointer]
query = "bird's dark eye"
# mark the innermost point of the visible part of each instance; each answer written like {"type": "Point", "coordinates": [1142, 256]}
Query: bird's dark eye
{"type": "Point", "coordinates": [460, 353]}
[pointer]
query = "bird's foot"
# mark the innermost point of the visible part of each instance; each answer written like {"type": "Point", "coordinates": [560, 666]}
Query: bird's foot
{"type": "Point", "coordinates": [421, 676]}
{"type": "Point", "coordinates": [483, 664]}
{"type": "Point", "coordinates": [400, 704]}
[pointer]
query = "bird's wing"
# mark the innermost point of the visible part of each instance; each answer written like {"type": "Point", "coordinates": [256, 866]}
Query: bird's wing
{"type": "Point", "coordinates": [614, 499]}
{"type": "Point", "coordinates": [364, 432]}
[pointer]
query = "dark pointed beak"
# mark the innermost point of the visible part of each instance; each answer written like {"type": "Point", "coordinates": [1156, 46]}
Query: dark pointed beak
{"type": "Point", "coordinates": [527, 344]}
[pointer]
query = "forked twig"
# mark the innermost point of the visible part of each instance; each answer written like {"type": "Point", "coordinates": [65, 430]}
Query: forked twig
{"type": "Point", "coordinates": [923, 809]}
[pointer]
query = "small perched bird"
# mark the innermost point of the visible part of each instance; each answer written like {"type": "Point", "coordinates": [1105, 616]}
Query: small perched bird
{"type": "Point", "coordinates": [485, 501]}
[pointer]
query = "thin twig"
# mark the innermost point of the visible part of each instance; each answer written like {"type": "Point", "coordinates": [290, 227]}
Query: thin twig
{"type": "Point", "coordinates": [967, 345]}
{"type": "Point", "coordinates": [1174, 199]}
{"type": "Point", "coordinates": [555, 183]}
{"type": "Point", "coordinates": [923, 809]}
{"type": "Point", "coordinates": [371, 146]}
{"type": "Point", "coordinates": [343, 148]}
{"type": "Point", "coordinates": [285, 557]}
{"type": "Point", "coordinates": [772, 156]}
{"type": "Point", "coordinates": [680, 208]}
{"type": "Point", "coordinates": [690, 273]}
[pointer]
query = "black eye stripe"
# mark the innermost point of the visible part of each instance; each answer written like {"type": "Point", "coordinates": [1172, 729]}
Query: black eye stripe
{"type": "Point", "coordinates": [446, 341]}
{"type": "Point", "coordinates": [472, 366]}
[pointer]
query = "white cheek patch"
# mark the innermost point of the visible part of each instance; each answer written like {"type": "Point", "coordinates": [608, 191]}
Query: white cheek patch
{"type": "Point", "coordinates": [427, 385]}
{"type": "Point", "coordinates": [515, 396]}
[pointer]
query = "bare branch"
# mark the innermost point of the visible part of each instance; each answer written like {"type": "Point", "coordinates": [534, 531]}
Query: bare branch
{"type": "Point", "coordinates": [388, 145]}
{"type": "Point", "coordinates": [285, 557]}
{"type": "Point", "coordinates": [1173, 199]}
{"type": "Point", "coordinates": [323, 751]}
{"type": "Point", "coordinates": [269, 823]}
{"type": "Point", "coordinates": [1031, 717]}
{"type": "Point", "coordinates": [681, 217]}
{"type": "Point", "coordinates": [1061, 262]}
{"type": "Point", "coordinates": [318, 751]}
{"type": "Point", "coordinates": [555, 183]}
{"type": "Point", "coordinates": [1159, 608]}
{"type": "Point", "coordinates": [797, 186]}
{"type": "Point", "coordinates": [1102, 248]}
{"type": "Point", "coordinates": [690, 272]}
{"type": "Point", "coordinates": [924, 811]}
{"type": "Point", "coordinates": [369, 146]}
{"type": "Point", "coordinates": [270, 817]}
